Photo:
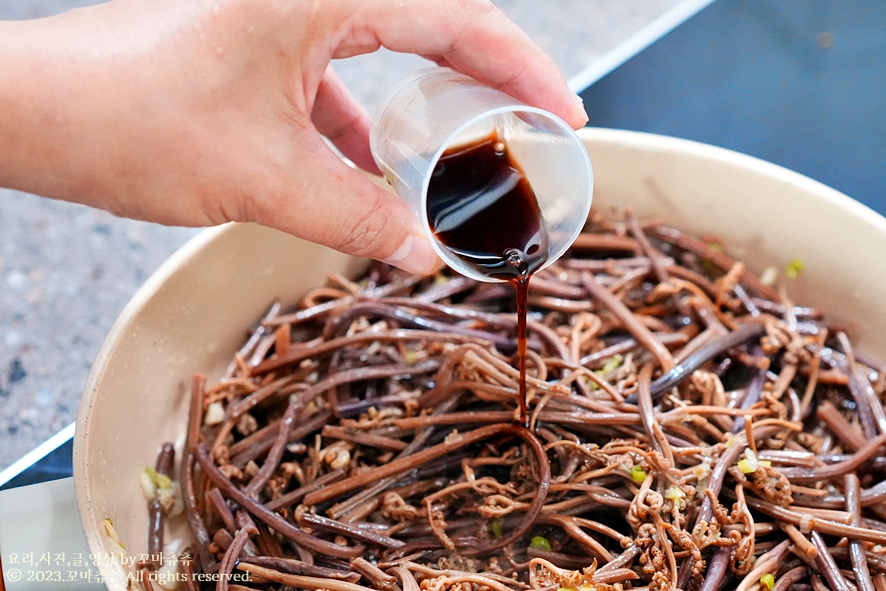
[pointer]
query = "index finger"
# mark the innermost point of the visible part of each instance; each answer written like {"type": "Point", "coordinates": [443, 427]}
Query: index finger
{"type": "Point", "coordinates": [472, 36]}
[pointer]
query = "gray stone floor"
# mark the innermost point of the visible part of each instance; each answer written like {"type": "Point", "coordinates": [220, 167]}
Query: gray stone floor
{"type": "Point", "coordinates": [66, 271]}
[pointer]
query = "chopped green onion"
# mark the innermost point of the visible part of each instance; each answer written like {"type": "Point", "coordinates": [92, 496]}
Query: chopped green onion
{"type": "Point", "coordinates": [159, 480]}
{"type": "Point", "coordinates": [591, 385]}
{"type": "Point", "coordinates": [112, 533]}
{"type": "Point", "coordinates": [540, 543]}
{"type": "Point", "coordinates": [748, 467]}
{"type": "Point", "coordinates": [495, 526]}
{"type": "Point", "coordinates": [767, 581]}
{"type": "Point", "coordinates": [745, 466]}
{"type": "Point", "coordinates": [702, 471]}
{"type": "Point", "coordinates": [675, 493]}
{"type": "Point", "coordinates": [638, 474]}
{"type": "Point", "coordinates": [612, 364]}
{"type": "Point", "coordinates": [749, 463]}
{"type": "Point", "coordinates": [792, 271]}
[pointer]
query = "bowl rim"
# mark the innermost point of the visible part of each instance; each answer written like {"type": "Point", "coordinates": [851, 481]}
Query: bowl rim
{"type": "Point", "coordinates": [179, 259]}
{"type": "Point", "coordinates": [641, 140]}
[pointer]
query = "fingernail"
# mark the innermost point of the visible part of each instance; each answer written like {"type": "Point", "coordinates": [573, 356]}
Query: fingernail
{"type": "Point", "coordinates": [580, 105]}
{"type": "Point", "coordinates": [415, 255]}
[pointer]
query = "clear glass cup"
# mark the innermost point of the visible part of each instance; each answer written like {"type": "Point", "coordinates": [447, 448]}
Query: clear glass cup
{"type": "Point", "coordinates": [434, 109]}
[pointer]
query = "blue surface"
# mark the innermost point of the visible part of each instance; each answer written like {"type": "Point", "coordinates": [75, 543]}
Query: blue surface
{"type": "Point", "coordinates": [57, 464]}
{"type": "Point", "coordinates": [801, 83]}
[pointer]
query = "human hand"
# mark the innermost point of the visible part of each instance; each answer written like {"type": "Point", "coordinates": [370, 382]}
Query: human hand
{"type": "Point", "coordinates": [191, 112]}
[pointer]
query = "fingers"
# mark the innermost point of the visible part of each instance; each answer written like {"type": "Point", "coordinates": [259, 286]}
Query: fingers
{"type": "Point", "coordinates": [334, 205]}
{"type": "Point", "coordinates": [338, 116]}
{"type": "Point", "coordinates": [473, 36]}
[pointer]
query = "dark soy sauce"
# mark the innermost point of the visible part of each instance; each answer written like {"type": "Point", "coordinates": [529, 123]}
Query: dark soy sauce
{"type": "Point", "coordinates": [481, 207]}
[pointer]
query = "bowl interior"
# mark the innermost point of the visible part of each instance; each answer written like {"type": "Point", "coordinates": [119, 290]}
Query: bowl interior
{"type": "Point", "coordinates": [192, 314]}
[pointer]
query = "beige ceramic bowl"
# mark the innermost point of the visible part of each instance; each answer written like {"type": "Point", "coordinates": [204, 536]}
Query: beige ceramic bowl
{"type": "Point", "coordinates": [192, 314]}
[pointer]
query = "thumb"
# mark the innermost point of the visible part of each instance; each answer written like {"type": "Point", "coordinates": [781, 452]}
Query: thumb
{"type": "Point", "coordinates": [332, 204]}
